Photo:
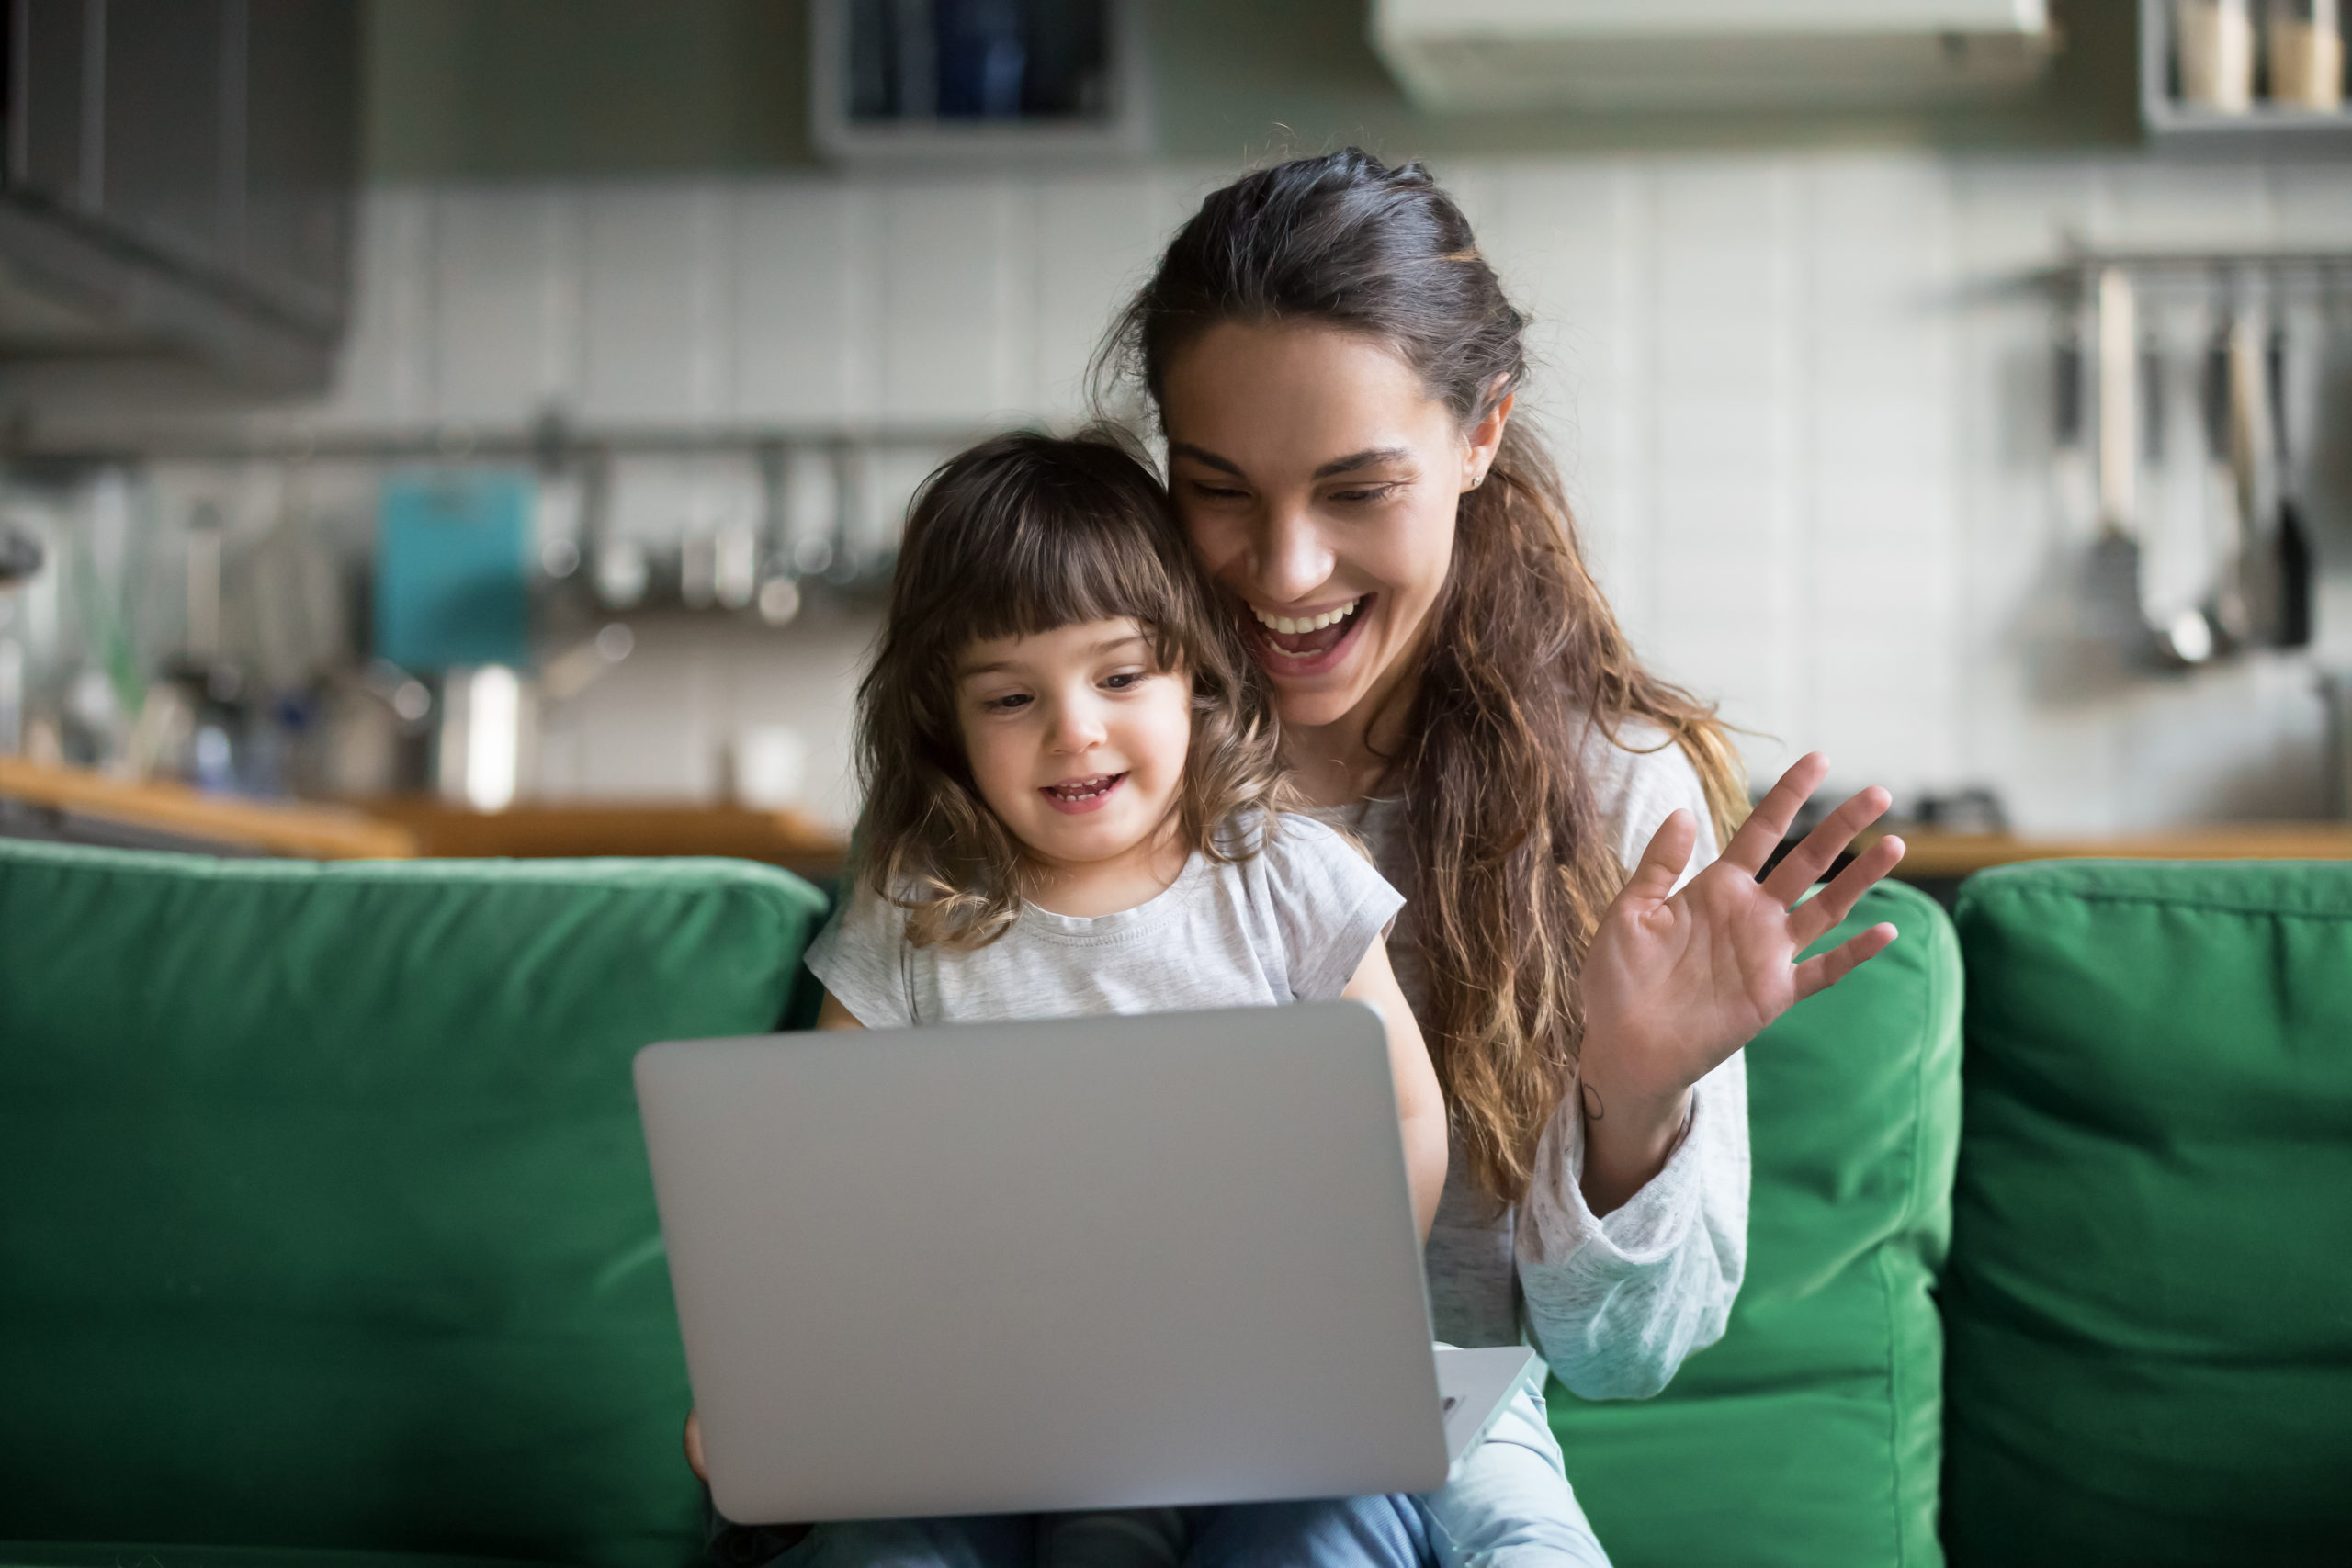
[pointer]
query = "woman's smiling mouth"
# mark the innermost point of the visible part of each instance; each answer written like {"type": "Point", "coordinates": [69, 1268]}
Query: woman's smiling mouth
{"type": "Point", "coordinates": [1078, 797]}
{"type": "Point", "coordinates": [1299, 638]}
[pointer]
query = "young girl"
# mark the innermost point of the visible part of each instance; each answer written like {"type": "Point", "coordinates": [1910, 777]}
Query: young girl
{"type": "Point", "coordinates": [1074, 806]}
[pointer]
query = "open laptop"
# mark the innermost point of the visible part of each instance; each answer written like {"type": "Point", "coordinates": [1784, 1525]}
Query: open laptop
{"type": "Point", "coordinates": [1101, 1262]}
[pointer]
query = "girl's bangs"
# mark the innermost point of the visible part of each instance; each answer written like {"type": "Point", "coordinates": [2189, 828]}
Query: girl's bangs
{"type": "Point", "coordinates": [1062, 568]}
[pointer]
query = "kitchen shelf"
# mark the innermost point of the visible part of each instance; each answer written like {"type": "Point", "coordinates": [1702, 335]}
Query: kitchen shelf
{"type": "Point", "coordinates": [1119, 127]}
{"type": "Point", "coordinates": [2264, 129]}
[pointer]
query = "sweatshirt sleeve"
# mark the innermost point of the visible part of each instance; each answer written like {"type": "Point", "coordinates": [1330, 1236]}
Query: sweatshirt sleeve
{"type": "Point", "coordinates": [1615, 1304]}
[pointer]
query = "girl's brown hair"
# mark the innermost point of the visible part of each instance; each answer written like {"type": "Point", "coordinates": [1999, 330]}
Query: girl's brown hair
{"type": "Point", "coordinates": [1024, 533]}
{"type": "Point", "coordinates": [1524, 659]}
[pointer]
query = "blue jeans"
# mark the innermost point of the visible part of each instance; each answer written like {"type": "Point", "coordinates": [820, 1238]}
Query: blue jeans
{"type": "Point", "coordinates": [1341, 1532]}
{"type": "Point", "coordinates": [1506, 1504]}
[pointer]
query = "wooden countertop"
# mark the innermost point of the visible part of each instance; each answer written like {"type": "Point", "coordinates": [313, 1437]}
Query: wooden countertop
{"type": "Point", "coordinates": [1933, 856]}
{"type": "Point", "coordinates": [404, 828]}
{"type": "Point", "coordinates": [538, 831]}
{"type": "Point", "coordinates": [400, 829]}
{"type": "Point", "coordinates": [277, 827]}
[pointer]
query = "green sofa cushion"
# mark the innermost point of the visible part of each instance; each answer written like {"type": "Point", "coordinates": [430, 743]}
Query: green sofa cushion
{"type": "Point", "coordinates": [324, 1220]}
{"type": "Point", "coordinates": [2150, 1305]}
{"type": "Point", "coordinates": [135, 1554]}
{"type": "Point", "coordinates": [1810, 1433]}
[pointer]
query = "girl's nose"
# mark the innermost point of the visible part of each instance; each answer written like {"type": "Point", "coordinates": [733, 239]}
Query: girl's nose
{"type": "Point", "coordinates": [1077, 726]}
{"type": "Point", "coordinates": [1294, 559]}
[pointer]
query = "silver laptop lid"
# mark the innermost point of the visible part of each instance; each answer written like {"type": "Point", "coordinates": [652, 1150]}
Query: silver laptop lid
{"type": "Point", "coordinates": [1076, 1263]}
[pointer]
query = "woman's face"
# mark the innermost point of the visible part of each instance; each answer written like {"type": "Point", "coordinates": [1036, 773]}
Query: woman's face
{"type": "Point", "coordinates": [1318, 480]}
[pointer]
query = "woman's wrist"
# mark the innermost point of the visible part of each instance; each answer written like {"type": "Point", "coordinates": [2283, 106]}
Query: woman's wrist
{"type": "Point", "coordinates": [1630, 1131]}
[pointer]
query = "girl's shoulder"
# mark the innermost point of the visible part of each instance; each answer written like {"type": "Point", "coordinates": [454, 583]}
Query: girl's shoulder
{"type": "Point", "coordinates": [1312, 897]}
{"type": "Point", "coordinates": [1280, 837]}
{"type": "Point", "coordinates": [1304, 862]}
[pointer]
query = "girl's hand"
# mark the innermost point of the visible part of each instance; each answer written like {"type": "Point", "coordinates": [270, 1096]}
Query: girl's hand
{"type": "Point", "coordinates": [693, 1446]}
{"type": "Point", "coordinates": [1676, 982]}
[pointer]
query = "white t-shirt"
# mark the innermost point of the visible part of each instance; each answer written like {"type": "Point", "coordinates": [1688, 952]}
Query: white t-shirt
{"type": "Point", "coordinates": [1290, 923]}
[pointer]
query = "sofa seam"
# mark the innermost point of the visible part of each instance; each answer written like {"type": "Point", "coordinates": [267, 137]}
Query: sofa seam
{"type": "Point", "coordinates": [734, 882]}
{"type": "Point", "coordinates": [1897, 1492]}
{"type": "Point", "coordinates": [2150, 900]}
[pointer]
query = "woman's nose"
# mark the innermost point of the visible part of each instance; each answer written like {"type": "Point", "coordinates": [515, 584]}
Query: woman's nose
{"type": "Point", "coordinates": [1294, 559]}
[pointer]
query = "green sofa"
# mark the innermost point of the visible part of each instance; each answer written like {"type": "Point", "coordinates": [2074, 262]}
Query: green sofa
{"type": "Point", "coordinates": [325, 1236]}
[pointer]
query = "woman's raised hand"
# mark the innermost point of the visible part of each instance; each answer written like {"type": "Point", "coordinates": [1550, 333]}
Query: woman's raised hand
{"type": "Point", "coordinates": [1675, 982]}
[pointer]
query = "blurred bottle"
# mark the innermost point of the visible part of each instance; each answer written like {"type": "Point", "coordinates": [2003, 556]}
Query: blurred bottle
{"type": "Point", "coordinates": [767, 767]}
{"type": "Point", "coordinates": [20, 556]}
{"type": "Point", "coordinates": [2306, 53]}
{"type": "Point", "coordinates": [2214, 42]}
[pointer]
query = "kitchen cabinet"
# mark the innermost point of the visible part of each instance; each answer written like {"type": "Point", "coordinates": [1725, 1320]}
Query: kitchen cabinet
{"type": "Point", "coordinates": [179, 180]}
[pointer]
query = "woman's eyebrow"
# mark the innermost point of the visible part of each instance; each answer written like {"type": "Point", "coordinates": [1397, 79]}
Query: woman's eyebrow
{"type": "Point", "coordinates": [1366, 458]}
{"type": "Point", "coordinates": [1205, 457]}
{"type": "Point", "coordinates": [1369, 457]}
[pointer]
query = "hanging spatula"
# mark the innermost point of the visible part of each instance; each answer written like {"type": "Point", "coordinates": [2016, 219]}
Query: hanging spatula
{"type": "Point", "coordinates": [2293, 540]}
{"type": "Point", "coordinates": [2111, 580]}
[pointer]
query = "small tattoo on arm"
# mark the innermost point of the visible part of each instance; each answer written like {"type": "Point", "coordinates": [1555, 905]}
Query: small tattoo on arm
{"type": "Point", "coordinates": [1593, 1110]}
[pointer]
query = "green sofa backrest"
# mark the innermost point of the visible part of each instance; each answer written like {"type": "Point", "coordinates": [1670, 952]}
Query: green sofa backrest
{"type": "Point", "coordinates": [2150, 1300]}
{"type": "Point", "coordinates": [325, 1219]}
{"type": "Point", "coordinates": [1810, 1433]}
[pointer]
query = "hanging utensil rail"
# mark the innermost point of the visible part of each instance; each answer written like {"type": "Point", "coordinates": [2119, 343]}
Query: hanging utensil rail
{"type": "Point", "coordinates": [2327, 270]}
{"type": "Point", "coordinates": [551, 443]}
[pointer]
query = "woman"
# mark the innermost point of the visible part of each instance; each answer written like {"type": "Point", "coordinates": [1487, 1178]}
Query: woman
{"type": "Point", "coordinates": [1335, 368]}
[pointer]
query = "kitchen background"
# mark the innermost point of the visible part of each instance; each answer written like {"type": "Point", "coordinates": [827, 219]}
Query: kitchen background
{"type": "Point", "coordinates": [1810, 372]}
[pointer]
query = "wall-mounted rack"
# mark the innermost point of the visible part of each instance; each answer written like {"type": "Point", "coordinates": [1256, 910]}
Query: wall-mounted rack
{"type": "Point", "coordinates": [551, 442]}
{"type": "Point", "coordinates": [728, 517]}
{"type": "Point", "coordinates": [2327, 272]}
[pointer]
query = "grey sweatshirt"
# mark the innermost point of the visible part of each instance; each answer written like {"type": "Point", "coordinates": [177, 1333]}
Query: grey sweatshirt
{"type": "Point", "coordinates": [1614, 1304]}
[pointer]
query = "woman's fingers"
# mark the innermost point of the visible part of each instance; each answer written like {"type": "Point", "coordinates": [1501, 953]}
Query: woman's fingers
{"type": "Point", "coordinates": [1802, 866]}
{"type": "Point", "coordinates": [1816, 975]}
{"type": "Point", "coordinates": [1662, 861]}
{"type": "Point", "coordinates": [1813, 918]}
{"type": "Point", "coordinates": [694, 1444]}
{"type": "Point", "coordinates": [1769, 823]}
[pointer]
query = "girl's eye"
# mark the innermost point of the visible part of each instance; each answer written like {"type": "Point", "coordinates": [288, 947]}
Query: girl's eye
{"type": "Point", "coordinates": [1006, 705]}
{"type": "Point", "coordinates": [1217, 492]}
{"type": "Point", "coordinates": [1372, 492]}
{"type": "Point", "coordinates": [1124, 681]}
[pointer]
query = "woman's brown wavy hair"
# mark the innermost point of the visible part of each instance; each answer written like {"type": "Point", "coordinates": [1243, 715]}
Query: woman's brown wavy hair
{"type": "Point", "coordinates": [1020, 535]}
{"type": "Point", "coordinates": [1523, 660]}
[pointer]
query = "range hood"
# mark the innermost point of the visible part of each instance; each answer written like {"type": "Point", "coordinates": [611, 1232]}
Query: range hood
{"type": "Point", "coordinates": [1477, 56]}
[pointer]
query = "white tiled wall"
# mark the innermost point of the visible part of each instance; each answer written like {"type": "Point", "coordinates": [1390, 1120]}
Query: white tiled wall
{"type": "Point", "coordinates": [1803, 409]}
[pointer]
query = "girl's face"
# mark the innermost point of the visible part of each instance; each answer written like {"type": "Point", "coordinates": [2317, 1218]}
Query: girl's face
{"type": "Point", "coordinates": [1318, 480]}
{"type": "Point", "coordinates": [1076, 739]}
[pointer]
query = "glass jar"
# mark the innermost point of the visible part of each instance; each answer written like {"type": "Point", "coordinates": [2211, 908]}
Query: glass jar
{"type": "Point", "coordinates": [2305, 54]}
{"type": "Point", "coordinates": [2213, 41]}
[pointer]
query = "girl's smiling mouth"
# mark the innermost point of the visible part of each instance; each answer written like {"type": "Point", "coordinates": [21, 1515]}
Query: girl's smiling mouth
{"type": "Point", "coordinates": [1078, 797]}
{"type": "Point", "coordinates": [1306, 643]}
